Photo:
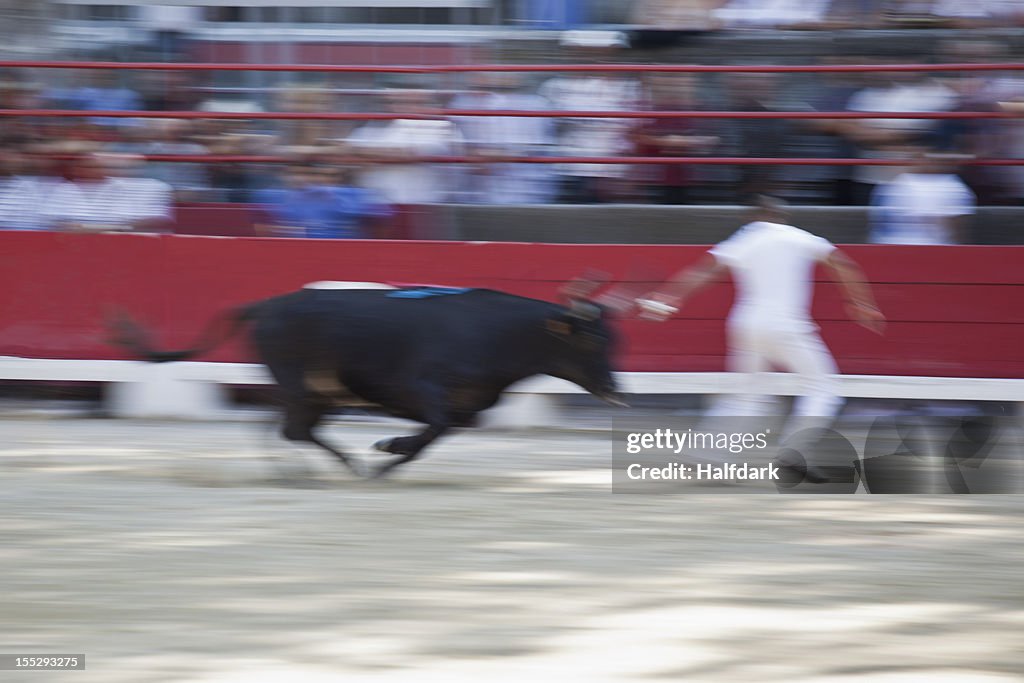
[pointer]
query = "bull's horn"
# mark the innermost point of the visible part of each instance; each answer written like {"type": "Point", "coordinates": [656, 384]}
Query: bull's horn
{"type": "Point", "coordinates": [583, 287]}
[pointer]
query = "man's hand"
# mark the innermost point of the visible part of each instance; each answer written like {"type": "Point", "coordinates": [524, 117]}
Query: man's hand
{"type": "Point", "coordinates": [867, 316]}
{"type": "Point", "coordinates": [657, 306]}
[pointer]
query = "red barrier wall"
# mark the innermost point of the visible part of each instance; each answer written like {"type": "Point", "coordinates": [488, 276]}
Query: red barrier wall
{"type": "Point", "coordinates": [954, 311]}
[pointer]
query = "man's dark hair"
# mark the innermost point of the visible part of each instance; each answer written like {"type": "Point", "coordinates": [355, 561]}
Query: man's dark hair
{"type": "Point", "coordinates": [767, 207]}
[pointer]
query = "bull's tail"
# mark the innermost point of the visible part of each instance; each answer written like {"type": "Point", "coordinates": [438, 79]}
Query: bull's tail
{"type": "Point", "coordinates": [128, 334]}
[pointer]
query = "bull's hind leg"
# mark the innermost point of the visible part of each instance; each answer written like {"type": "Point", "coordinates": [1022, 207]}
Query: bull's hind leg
{"type": "Point", "coordinates": [301, 416]}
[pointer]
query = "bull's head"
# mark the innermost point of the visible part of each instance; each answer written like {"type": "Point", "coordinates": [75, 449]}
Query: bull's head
{"type": "Point", "coordinates": [587, 341]}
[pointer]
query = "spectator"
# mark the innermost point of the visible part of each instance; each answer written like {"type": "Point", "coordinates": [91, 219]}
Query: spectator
{"type": "Point", "coordinates": [19, 92]}
{"type": "Point", "coordinates": [105, 94]}
{"type": "Point", "coordinates": [24, 190]}
{"type": "Point", "coordinates": [984, 138]}
{"type": "Point", "coordinates": [101, 197]}
{"type": "Point", "coordinates": [925, 205]}
{"type": "Point", "coordinates": [309, 136]}
{"type": "Point", "coordinates": [663, 23]}
{"type": "Point", "coordinates": [394, 162]}
{"type": "Point", "coordinates": [593, 183]}
{"type": "Point", "coordinates": [169, 137]}
{"type": "Point", "coordinates": [169, 26]}
{"type": "Point", "coordinates": [503, 137]}
{"type": "Point", "coordinates": [833, 93]}
{"type": "Point", "coordinates": [232, 182]}
{"type": "Point", "coordinates": [892, 138]}
{"type": "Point", "coordinates": [313, 205]}
{"type": "Point", "coordinates": [953, 13]}
{"type": "Point", "coordinates": [168, 90]}
{"type": "Point", "coordinates": [671, 183]}
{"type": "Point", "coordinates": [775, 13]}
{"type": "Point", "coordinates": [755, 137]}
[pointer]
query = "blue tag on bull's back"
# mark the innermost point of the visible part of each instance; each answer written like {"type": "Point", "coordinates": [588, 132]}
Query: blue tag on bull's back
{"type": "Point", "coordinates": [426, 292]}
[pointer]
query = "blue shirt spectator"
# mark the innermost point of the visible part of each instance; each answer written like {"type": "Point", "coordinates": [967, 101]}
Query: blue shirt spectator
{"type": "Point", "coordinates": [311, 207]}
{"type": "Point", "coordinates": [103, 93]}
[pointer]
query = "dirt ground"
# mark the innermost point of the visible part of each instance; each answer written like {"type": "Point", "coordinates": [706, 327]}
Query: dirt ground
{"type": "Point", "coordinates": [175, 552]}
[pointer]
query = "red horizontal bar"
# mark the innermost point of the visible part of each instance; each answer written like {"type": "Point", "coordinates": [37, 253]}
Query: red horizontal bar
{"type": "Point", "coordinates": [261, 115]}
{"type": "Point", "coordinates": [465, 68]}
{"type": "Point", "coordinates": [440, 114]}
{"type": "Point", "coordinates": [705, 161]}
{"type": "Point", "coordinates": [733, 114]}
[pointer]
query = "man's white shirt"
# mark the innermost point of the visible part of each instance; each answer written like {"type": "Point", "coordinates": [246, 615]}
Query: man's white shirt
{"type": "Point", "coordinates": [585, 137]}
{"type": "Point", "coordinates": [23, 200]}
{"type": "Point", "coordinates": [923, 97]}
{"type": "Point", "coordinates": [110, 202]}
{"type": "Point", "coordinates": [413, 182]}
{"type": "Point", "coordinates": [915, 208]}
{"type": "Point", "coordinates": [773, 268]}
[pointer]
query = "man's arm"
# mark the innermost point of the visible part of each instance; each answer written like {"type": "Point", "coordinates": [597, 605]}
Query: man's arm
{"type": "Point", "coordinates": [681, 286]}
{"type": "Point", "coordinates": [860, 302]}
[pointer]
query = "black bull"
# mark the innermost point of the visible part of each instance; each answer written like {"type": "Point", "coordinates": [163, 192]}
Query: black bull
{"type": "Point", "coordinates": [438, 360]}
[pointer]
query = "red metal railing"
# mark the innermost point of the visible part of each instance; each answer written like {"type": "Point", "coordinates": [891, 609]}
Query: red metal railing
{"type": "Point", "coordinates": [469, 68]}
{"type": "Point", "coordinates": [445, 113]}
{"type": "Point", "coordinates": [451, 159]}
{"type": "Point", "coordinates": [593, 68]}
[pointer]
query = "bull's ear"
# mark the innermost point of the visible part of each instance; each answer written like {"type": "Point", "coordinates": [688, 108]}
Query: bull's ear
{"type": "Point", "coordinates": [558, 327]}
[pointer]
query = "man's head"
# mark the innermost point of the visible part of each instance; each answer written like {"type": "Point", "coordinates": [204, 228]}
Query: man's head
{"type": "Point", "coordinates": [92, 167]}
{"type": "Point", "coordinates": [937, 161]}
{"type": "Point", "coordinates": [770, 209]}
{"type": "Point", "coordinates": [306, 174]}
{"type": "Point", "coordinates": [301, 175]}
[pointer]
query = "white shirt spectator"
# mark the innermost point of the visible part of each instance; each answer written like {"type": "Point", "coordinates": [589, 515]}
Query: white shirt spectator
{"type": "Point", "coordinates": [185, 177]}
{"type": "Point", "coordinates": [593, 137]}
{"type": "Point", "coordinates": [770, 13]}
{"type": "Point", "coordinates": [923, 96]}
{"type": "Point", "coordinates": [408, 183]}
{"type": "Point", "coordinates": [977, 9]}
{"type": "Point", "coordinates": [915, 208]}
{"type": "Point", "coordinates": [508, 183]}
{"type": "Point", "coordinates": [773, 266]}
{"type": "Point", "coordinates": [110, 204]}
{"type": "Point", "coordinates": [507, 133]}
{"type": "Point", "coordinates": [673, 15]}
{"type": "Point", "coordinates": [23, 200]}
{"type": "Point", "coordinates": [169, 17]}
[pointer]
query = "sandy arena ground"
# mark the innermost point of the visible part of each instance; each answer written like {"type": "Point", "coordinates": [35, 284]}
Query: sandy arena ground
{"type": "Point", "coordinates": [174, 552]}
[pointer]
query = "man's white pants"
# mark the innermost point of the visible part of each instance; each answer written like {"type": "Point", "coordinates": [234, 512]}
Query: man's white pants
{"type": "Point", "coordinates": [757, 348]}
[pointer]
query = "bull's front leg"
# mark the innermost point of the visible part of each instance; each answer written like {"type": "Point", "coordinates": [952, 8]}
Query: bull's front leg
{"type": "Point", "coordinates": [406, 447]}
{"type": "Point", "coordinates": [433, 404]}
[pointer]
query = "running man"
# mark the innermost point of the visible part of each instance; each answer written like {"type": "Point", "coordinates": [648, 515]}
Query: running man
{"type": "Point", "coordinates": [772, 264]}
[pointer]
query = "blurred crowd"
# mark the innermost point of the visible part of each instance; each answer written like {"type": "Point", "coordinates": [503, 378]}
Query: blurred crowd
{"type": "Point", "coordinates": [708, 15]}
{"type": "Point", "coordinates": [381, 178]}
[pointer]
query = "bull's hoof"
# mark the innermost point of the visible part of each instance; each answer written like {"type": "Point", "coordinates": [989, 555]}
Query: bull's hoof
{"type": "Point", "coordinates": [399, 445]}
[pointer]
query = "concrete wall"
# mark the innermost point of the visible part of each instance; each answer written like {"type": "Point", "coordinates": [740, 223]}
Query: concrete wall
{"type": "Point", "coordinates": [641, 224]}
